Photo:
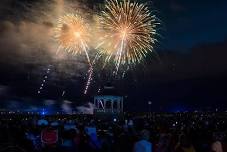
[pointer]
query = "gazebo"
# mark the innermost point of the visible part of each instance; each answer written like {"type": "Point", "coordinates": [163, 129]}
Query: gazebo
{"type": "Point", "coordinates": [108, 101]}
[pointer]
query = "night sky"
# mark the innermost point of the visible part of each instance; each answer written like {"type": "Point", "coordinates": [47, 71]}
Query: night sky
{"type": "Point", "coordinates": [187, 72]}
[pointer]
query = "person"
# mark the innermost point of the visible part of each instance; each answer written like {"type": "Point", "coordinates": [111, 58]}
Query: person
{"type": "Point", "coordinates": [143, 145]}
{"type": "Point", "coordinates": [216, 145]}
{"type": "Point", "coordinates": [184, 145]}
{"type": "Point", "coordinates": [49, 136]}
{"type": "Point", "coordinates": [164, 142]}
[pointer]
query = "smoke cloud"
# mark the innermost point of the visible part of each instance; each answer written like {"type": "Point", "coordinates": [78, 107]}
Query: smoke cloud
{"type": "Point", "coordinates": [26, 30]}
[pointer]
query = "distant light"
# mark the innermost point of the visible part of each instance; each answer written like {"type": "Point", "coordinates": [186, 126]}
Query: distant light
{"type": "Point", "coordinates": [43, 112]}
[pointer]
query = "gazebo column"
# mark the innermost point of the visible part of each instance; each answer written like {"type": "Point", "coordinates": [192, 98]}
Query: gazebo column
{"type": "Point", "coordinates": [118, 105]}
{"type": "Point", "coordinates": [98, 103]}
{"type": "Point", "coordinates": [122, 104]}
{"type": "Point", "coordinates": [111, 105]}
{"type": "Point", "coordinates": [95, 102]}
{"type": "Point", "coordinates": [104, 104]}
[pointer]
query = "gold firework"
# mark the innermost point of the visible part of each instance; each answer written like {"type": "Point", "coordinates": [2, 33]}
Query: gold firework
{"type": "Point", "coordinates": [129, 29]}
{"type": "Point", "coordinates": [72, 34]}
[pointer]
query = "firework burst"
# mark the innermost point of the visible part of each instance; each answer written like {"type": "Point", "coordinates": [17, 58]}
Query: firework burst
{"type": "Point", "coordinates": [129, 32]}
{"type": "Point", "coordinates": [73, 34]}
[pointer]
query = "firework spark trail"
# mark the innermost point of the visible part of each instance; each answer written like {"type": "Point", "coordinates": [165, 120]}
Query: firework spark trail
{"type": "Point", "coordinates": [73, 36]}
{"type": "Point", "coordinates": [89, 80]}
{"type": "Point", "coordinates": [129, 32]}
{"type": "Point", "coordinates": [85, 48]}
{"type": "Point", "coordinates": [119, 53]}
{"type": "Point", "coordinates": [91, 72]}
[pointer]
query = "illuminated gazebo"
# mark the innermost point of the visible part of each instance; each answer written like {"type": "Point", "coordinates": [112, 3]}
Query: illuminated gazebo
{"type": "Point", "coordinates": [108, 101]}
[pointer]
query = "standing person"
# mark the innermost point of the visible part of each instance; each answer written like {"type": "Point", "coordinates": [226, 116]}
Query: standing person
{"type": "Point", "coordinates": [184, 145]}
{"type": "Point", "coordinates": [143, 145]}
{"type": "Point", "coordinates": [164, 143]}
{"type": "Point", "coordinates": [49, 138]}
{"type": "Point", "coordinates": [216, 145]}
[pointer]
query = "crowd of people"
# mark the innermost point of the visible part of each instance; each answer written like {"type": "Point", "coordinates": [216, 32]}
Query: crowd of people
{"type": "Point", "coordinates": [166, 132]}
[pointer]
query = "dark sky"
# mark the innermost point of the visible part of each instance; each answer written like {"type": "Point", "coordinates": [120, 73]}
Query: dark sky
{"type": "Point", "coordinates": [189, 72]}
{"type": "Point", "coordinates": [192, 22]}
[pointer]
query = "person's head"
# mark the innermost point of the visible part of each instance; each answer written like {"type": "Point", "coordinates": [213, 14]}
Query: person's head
{"type": "Point", "coordinates": [183, 140]}
{"type": "Point", "coordinates": [218, 136]}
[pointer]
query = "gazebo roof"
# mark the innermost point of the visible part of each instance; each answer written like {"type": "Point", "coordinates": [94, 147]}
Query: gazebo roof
{"type": "Point", "coordinates": [108, 90]}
